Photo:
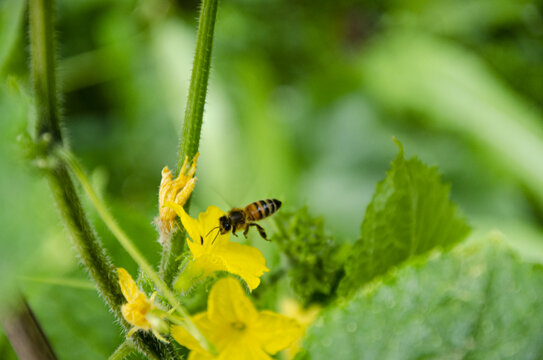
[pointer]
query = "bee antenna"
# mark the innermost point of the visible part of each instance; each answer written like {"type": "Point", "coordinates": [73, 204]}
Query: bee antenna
{"type": "Point", "coordinates": [212, 230]}
{"type": "Point", "coordinates": [215, 238]}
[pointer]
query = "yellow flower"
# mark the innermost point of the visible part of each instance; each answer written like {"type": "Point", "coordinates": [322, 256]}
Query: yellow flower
{"type": "Point", "coordinates": [177, 191]}
{"type": "Point", "coordinates": [305, 317]}
{"type": "Point", "coordinates": [212, 251]}
{"type": "Point", "coordinates": [140, 311]}
{"type": "Point", "coordinates": [236, 329]}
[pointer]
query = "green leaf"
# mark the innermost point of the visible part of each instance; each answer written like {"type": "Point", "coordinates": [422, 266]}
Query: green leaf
{"type": "Point", "coordinates": [409, 215]}
{"type": "Point", "coordinates": [476, 302]}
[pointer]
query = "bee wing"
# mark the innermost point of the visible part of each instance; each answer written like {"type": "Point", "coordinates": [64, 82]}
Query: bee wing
{"type": "Point", "coordinates": [222, 197]}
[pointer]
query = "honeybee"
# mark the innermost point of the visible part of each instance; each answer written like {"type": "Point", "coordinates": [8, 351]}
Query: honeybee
{"type": "Point", "coordinates": [242, 219]}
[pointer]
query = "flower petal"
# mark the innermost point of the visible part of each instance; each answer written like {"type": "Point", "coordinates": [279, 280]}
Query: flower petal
{"type": "Point", "coordinates": [190, 224]}
{"type": "Point", "coordinates": [219, 334]}
{"type": "Point", "coordinates": [183, 337]}
{"type": "Point", "coordinates": [210, 218]}
{"type": "Point", "coordinates": [128, 285]}
{"type": "Point", "coordinates": [243, 350]}
{"type": "Point", "coordinates": [209, 225]}
{"type": "Point", "coordinates": [195, 248]}
{"type": "Point", "coordinates": [243, 260]}
{"type": "Point", "coordinates": [275, 332]}
{"type": "Point", "coordinates": [182, 196]}
{"type": "Point", "coordinates": [228, 303]}
{"type": "Point", "coordinates": [197, 268]}
{"type": "Point", "coordinates": [209, 263]}
{"type": "Point", "coordinates": [136, 310]}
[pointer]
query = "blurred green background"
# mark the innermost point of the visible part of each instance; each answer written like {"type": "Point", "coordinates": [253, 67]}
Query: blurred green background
{"type": "Point", "coordinates": [304, 99]}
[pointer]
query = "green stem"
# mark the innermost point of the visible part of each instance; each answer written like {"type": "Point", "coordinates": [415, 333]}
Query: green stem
{"type": "Point", "coordinates": [42, 49]}
{"type": "Point", "coordinates": [89, 248]}
{"type": "Point", "coordinates": [192, 126]}
{"type": "Point", "coordinates": [129, 246]}
{"type": "Point", "coordinates": [194, 110]}
{"type": "Point", "coordinates": [170, 261]}
{"type": "Point", "coordinates": [47, 125]}
{"type": "Point", "coordinates": [124, 350]}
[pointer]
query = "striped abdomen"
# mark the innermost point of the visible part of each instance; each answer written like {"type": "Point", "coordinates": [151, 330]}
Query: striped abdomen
{"type": "Point", "coordinates": [261, 209]}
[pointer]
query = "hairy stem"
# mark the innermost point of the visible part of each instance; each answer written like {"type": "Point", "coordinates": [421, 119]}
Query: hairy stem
{"type": "Point", "coordinates": [87, 244]}
{"type": "Point", "coordinates": [194, 110]}
{"type": "Point", "coordinates": [123, 351]}
{"type": "Point", "coordinates": [192, 126]}
{"type": "Point", "coordinates": [42, 49]}
{"type": "Point", "coordinates": [170, 261]}
{"type": "Point", "coordinates": [47, 127]}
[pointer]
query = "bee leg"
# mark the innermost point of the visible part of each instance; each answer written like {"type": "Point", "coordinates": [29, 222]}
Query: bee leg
{"type": "Point", "coordinates": [234, 230]}
{"type": "Point", "coordinates": [246, 231]}
{"type": "Point", "coordinates": [261, 231]}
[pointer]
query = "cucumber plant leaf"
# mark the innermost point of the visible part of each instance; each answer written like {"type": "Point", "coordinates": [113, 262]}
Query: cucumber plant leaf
{"type": "Point", "coordinates": [476, 302]}
{"type": "Point", "coordinates": [410, 214]}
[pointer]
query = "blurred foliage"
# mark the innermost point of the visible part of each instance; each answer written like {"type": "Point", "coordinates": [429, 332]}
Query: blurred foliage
{"type": "Point", "coordinates": [476, 302]}
{"type": "Point", "coordinates": [454, 91]}
{"type": "Point", "coordinates": [409, 215]}
{"type": "Point", "coordinates": [6, 351]}
{"type": "Point", "coordinates": [304, 99]}
{"type": "Point", "coordinates": [73, 316]}
{"type": "Point", "coordinates": [11, 15]}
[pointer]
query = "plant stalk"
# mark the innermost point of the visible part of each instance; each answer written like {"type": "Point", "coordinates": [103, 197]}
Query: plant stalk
{"type": "Point", "coordinates": [123, 351]}
{"type": "Point", "coordinates": [192, 126]}
{"type": "Point", "coordinates": [25, 333]}
{"type": "Point", "coordinates": [194, 110]}
{"type": "Point", "coordinates": [93, 255]}
{"type": "Point", "coordinates": [42, 50]}
{"type": "Point", "coordinates": [87, 244]}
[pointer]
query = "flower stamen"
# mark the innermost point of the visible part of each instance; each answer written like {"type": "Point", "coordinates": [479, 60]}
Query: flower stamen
{"type": "Point", "coordinates": [238, 325]}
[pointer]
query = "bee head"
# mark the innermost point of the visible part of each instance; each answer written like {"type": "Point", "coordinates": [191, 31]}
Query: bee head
{"type": "Point", "coordinates": [224, 224]}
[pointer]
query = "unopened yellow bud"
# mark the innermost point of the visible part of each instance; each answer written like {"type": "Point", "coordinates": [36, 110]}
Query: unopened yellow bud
{"type": "Point", "coordinates": [139, 311]}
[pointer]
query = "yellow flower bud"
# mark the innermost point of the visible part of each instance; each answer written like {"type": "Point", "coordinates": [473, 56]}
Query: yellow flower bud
{"type": "Point", "coordinates": [140, 311]}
